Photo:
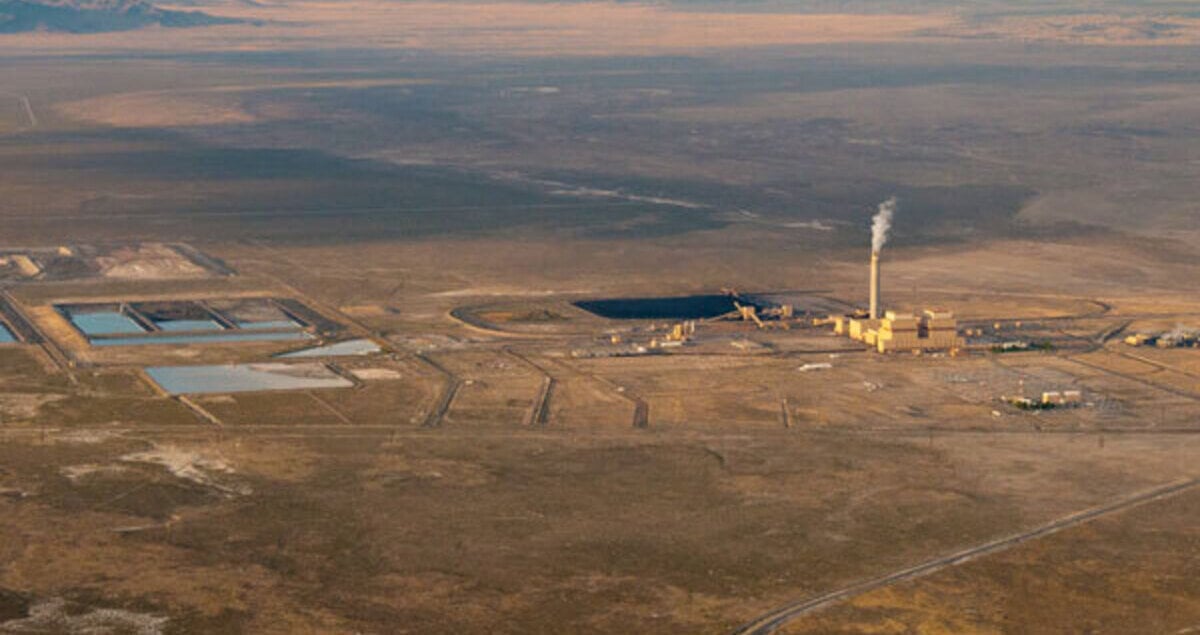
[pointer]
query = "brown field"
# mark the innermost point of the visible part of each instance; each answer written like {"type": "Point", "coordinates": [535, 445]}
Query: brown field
{"type": "Point", "coordinates": [448, 179]}
{"type": "Point", "coordinates": [713, 513]}
{"type": "Point", "coordinates": [1116, 568]}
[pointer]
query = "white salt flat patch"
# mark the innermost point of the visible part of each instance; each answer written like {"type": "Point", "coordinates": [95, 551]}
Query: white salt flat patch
{"type": "Point", "coordinates": [191, 466]}
{"type": "Point", "coordinates": [368, 374]}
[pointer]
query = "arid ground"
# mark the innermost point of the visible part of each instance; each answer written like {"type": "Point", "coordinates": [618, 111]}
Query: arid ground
{"type": "Point", "coordinates": [446, 180]}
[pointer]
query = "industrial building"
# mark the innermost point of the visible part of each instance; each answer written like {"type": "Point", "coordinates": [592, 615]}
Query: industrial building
{"type": "Point", "coordinates": [934, 329]}
{"type": "Point", "coordinates": [1178, 338]}
{"type": "Point", "coordinates": [940, 329]}
{"type": "Point", "coordinates": [23, 264]}
{"type": "Point", "coordinates": [1062, 398]}
{"type": "Point", "coordinates": [1050, 400]}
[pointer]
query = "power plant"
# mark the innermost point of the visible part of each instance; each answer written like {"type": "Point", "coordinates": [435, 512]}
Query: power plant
{"type": "Point", "coordinates": [889, 331]}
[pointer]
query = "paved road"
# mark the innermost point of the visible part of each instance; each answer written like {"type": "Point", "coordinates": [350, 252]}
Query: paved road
{"type": "Point", "coordinates": [772, 621]}
{"type": "Point", "coordinates": [442, 405]}
{"type": "Point", "coordinates": [539, 413]}
{"type": "Point", "coordinates": [641, 409]}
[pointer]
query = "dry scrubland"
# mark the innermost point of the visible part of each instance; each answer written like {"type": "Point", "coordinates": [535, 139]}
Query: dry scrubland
{"type": "Point", "coordinates": [479, 477]}
{"type": "Point", "coordinates": [340, 510]}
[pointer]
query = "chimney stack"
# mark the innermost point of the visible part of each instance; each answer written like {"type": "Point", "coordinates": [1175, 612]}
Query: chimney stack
{"type": "Point", "coordinates": [875, 284]}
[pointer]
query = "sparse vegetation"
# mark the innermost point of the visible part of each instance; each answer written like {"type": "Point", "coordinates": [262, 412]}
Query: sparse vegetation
{"type": "Point", "coordinates": [479, 477]}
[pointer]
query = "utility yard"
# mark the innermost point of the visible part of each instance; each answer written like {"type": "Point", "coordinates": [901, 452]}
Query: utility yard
{"type": "Point", "coordinates": [485, 465]}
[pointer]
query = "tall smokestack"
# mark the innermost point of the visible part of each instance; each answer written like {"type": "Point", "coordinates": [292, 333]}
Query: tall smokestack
{"type": "Point", "coordinates": [880, 225]}
{"type": "Point", "coordinates": [874, 284]}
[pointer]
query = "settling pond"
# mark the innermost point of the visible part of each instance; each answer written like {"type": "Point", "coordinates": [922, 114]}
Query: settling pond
{"type": "Point", "coordinates": [107, 327]}
{"type": "Point", "coordinates": [339, 349]}
{"type": "Point", "coordinates": [691, 307]}
{"type": "Point", "coordinates": [203, 338]}
{"type": "Point", "coordinates": [195, 380]}
{"type": "Point", "coordinates": [105, 323]}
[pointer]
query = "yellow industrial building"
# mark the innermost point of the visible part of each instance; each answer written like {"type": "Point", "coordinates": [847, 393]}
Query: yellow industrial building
{"type": "Point", "coordinates": [26, 265]}
{"type": "Point", "coordinates": [934, 329]}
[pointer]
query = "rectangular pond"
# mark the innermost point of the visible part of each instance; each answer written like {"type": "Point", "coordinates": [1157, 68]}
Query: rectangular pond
{"type": "Point", "coordinates": [227, 378]}
{"type": "Point", "coordinates": [105, 323]}
{"type": "Point", "coordinates": [175, 326]}
{"type": "Point", "coordinates": [202, 338]}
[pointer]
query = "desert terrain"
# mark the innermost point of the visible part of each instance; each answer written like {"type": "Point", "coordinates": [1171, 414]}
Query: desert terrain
{"type": "Point", "coordinates": [300, 337]}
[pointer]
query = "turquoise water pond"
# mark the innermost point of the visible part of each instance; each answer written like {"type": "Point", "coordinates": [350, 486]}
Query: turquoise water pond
{"type": "Point", "coordinates": [105, 323]}
{"type": "Point", "coordinates": [188, 325]}
{"type": "Point", "coordinates": [244, 378]}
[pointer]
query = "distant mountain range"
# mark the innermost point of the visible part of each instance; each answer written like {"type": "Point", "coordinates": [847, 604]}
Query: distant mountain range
{"type": "Point", "coordinates": [95, 16]}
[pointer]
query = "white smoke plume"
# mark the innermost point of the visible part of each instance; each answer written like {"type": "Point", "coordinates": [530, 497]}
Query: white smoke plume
{"type": "Point", "coordinates": [1179, 335]}
{"type": "Point", "coordinates": [882, 223]}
